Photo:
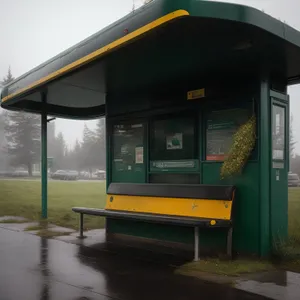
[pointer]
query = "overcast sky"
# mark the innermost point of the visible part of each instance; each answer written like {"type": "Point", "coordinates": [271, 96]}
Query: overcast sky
{"type": "Point", "coordinates": [32, 31]}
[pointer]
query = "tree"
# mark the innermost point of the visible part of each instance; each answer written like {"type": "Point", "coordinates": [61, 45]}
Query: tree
{"type": "Point", "coordinates": [8, 78]}
{"type": "Point", "coordinates": [76, 155]}
{"type": "Point", "coordinates": [73, 157]}
{"type": "Point", "coordinates": [22, 132]}
{"type": "Point", "coordinates": [3, 119]}
{"type": "Point", "coordinates": [134, 6]}
{"type": "Point", "coordinates": [88, 149]}
{"type": "Point", "coordinates": [100, 147]}
{"type": "Point", "coordinates": [292, 142]}
{"type": "Point", "coordinates": [3, 152]}
{"type": "Point", "coordinates": [59, 152]}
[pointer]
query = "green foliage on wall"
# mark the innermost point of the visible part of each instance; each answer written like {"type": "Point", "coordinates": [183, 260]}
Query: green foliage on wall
{"type": "Point", "coordinates": [240, 151]}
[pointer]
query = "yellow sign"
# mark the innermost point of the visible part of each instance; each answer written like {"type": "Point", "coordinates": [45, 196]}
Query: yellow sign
{"type": "Point", "coordinates": [196, 94]}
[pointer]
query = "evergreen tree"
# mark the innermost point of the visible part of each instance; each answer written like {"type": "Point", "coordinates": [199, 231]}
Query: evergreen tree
{"type": "Point", "coordinates": [292, 142]}
{"type": "Point", "coordinates": [74, 157]}
{"type": "Point", "coordinates": [59, 152]}
{"type": "Point", "coordinates": [3, 152]}
{"type": "Point", "coordinates": [22, 132]}
{"type": "Point", "coordinates": [88, 149]}
{"type": "Point", "coordinates": [8, 78]}
{"type": "Point", "coordinates": [77, 156]}
{"type": "Point", "coordinates": [100, 147]}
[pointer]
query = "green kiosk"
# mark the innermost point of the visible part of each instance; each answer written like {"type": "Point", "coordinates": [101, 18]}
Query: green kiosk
{"type": "Point", "coordinates": [175, 80]}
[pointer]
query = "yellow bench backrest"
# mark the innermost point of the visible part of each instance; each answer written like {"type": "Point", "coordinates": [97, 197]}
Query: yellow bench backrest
{"type": "Point", "coordinates": [204, 208]}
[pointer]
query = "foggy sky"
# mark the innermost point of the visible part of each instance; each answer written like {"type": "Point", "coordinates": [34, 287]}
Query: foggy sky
{"type": "Point", "coordinates": [32, 31]}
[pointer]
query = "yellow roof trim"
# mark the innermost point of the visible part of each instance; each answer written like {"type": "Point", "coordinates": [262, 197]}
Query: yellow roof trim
{"type": "Point", "coordinates": [104, 50]}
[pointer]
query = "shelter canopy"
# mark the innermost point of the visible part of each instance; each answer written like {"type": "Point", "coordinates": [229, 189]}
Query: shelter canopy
{"type": "Point", "coordinates": [164, 41]}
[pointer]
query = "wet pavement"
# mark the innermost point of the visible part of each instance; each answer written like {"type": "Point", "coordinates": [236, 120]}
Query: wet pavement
{"type": "Point", "coordinates": [8, 222]}
{"type": "Point", "coordinates": [35, 268]}
{"type": "Point", "coordinates": [277, 285]}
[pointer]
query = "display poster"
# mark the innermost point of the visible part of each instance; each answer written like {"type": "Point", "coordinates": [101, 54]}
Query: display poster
{"type": "Point", "coordinates": [174, 141]}
{"type": "Point", "coordinates": [125, 141]}
{"type": "Point", "coordinates": [221, 126]}
{"type": "Point", "coordinates": [278, 132]}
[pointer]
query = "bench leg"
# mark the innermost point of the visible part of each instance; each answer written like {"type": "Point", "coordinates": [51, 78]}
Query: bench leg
{"type": "Point", "coordinates": [196, 243]}
{"type": "Point", "coordinates": [81, 226]}
{"type": "Point", "coordinates": [229, 242]}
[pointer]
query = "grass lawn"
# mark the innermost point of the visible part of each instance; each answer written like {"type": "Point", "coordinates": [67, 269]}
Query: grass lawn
{"type": "Point", "coordinates": [294, 213]}
{"type": "Point", "coordinates": [23, 198]}
{"type": "Point", "coordinates": [288, 252]}
{"type": "Point", "coordinates": [225, 267]}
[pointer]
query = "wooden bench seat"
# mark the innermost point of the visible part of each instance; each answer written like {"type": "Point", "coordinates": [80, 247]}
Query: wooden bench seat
{"type": "Point", "coordinates": [195, 206]}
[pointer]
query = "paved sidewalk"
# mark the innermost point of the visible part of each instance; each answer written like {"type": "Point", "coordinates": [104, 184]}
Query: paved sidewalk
{"type": "Point", "coordinates": [35, 268]}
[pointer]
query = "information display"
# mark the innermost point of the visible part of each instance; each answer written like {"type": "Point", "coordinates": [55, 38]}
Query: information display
{"type": "Point", "coordinates": [128, 153]}
{"type": "Point", "coordinates": [278, 132]}
{"type": "Point", "coordinates": [173, 139]}
{"type": "Point", "coordinates": [221, 126]}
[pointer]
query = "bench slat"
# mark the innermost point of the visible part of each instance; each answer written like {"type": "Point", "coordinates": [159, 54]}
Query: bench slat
{"type": "Point", "coordinates": [153, 218]}
{"type": "Point", "coordinates": [192, 191]}
{"type": "Point", "coordinates": [194, 208]}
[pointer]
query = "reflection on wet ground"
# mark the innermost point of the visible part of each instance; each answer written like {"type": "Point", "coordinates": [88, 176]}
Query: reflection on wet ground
{"type": "Point", "coordinates": [35, 268]}
{"type": "Point", "coordinates": [276, 285]}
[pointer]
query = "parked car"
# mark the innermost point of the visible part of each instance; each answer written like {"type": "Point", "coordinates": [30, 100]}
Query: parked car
{"type": "Point", "coordinates": [65, 175]}
{"type": "Point", "coordinates": [60, 174]}
{"type": "Point", "coordinates": [84, 175]}
{"type": "Point", "coordinates": [72, 175]}
{"type": "Point", "coordinates": [100, 174]}
{"type": "Point", "coordinates": [20, 173]}
{"type": "Point", "coordinates": [293, 180]}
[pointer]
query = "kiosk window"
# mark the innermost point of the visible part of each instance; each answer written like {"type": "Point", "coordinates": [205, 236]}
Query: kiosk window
{"type": "Point", "coordinates": [173, 151]}
{"type": "Point", "coordinates": [220, 128]}
{"type": "Point", "coordinates": [278, 132]}
{"type": "Point", "coordinates": [173, 139]}
{"type": "Point", "coordinates": [128, 146]}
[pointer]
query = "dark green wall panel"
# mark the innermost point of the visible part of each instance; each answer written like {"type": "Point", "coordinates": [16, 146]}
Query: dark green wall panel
{"type": "Point", "coordinates": [214, 240]}
{"type": "Point", "coordinates": [246, 205]}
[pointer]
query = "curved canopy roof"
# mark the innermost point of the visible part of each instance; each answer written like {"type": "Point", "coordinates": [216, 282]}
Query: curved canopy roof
{"type": "Point", "coordinates": [158, 43]}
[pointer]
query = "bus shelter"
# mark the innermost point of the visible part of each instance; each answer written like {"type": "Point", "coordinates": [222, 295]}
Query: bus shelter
{"type": "Point", "coordinates": [175, 79]}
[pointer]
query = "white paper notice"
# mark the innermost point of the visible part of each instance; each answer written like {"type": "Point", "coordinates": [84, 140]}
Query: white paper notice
{"type": "Point", "coordinates": [139, 155]}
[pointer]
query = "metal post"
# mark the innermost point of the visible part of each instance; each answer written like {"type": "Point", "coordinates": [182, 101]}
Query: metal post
{"type": "Point", "coordinates": [229, 242]}
{"type": "Point", "coordinates": [44, 171]}
{"type": "Point", "coordinates": [196, 240]}
{"type": "Point", "coordinates": [81, 226]}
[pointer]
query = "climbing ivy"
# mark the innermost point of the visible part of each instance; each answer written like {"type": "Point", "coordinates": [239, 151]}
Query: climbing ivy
{"type": "Point", "coordinates": [240, 150]}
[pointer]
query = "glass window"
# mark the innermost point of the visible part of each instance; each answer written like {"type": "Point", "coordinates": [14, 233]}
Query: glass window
{"type": "Point", "coordinates": [173, 139]}
{"type": "Point", "coordinates": [220, 128]}
{"type": "Point", "coordinates": [128, 144]}
{"type": "Point", "coordinates": [278, 132]}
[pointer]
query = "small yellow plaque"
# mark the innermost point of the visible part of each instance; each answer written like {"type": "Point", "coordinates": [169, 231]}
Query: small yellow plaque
{"type": "Point", "coordinates": [213, 222]}
{"type": "Point", "coordinates": [196, 94]}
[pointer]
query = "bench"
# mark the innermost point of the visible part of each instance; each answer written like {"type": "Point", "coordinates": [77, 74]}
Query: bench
{"type": "Point", "coordinates": [198, 206]}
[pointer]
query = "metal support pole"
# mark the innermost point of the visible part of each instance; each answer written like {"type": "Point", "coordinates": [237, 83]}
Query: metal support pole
{"type": "Point", "coordinates": [81, 226]}
{"type": "Point", "coordinates": [196, 241]}
{"type": "Point", "coordinates": [229, 242]}
{"type": "Point", "coordinates": [44, 171]}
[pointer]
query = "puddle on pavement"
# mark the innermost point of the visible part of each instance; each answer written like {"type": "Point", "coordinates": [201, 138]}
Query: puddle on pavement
{"type": "Point", "coordinates": [279, 285]}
